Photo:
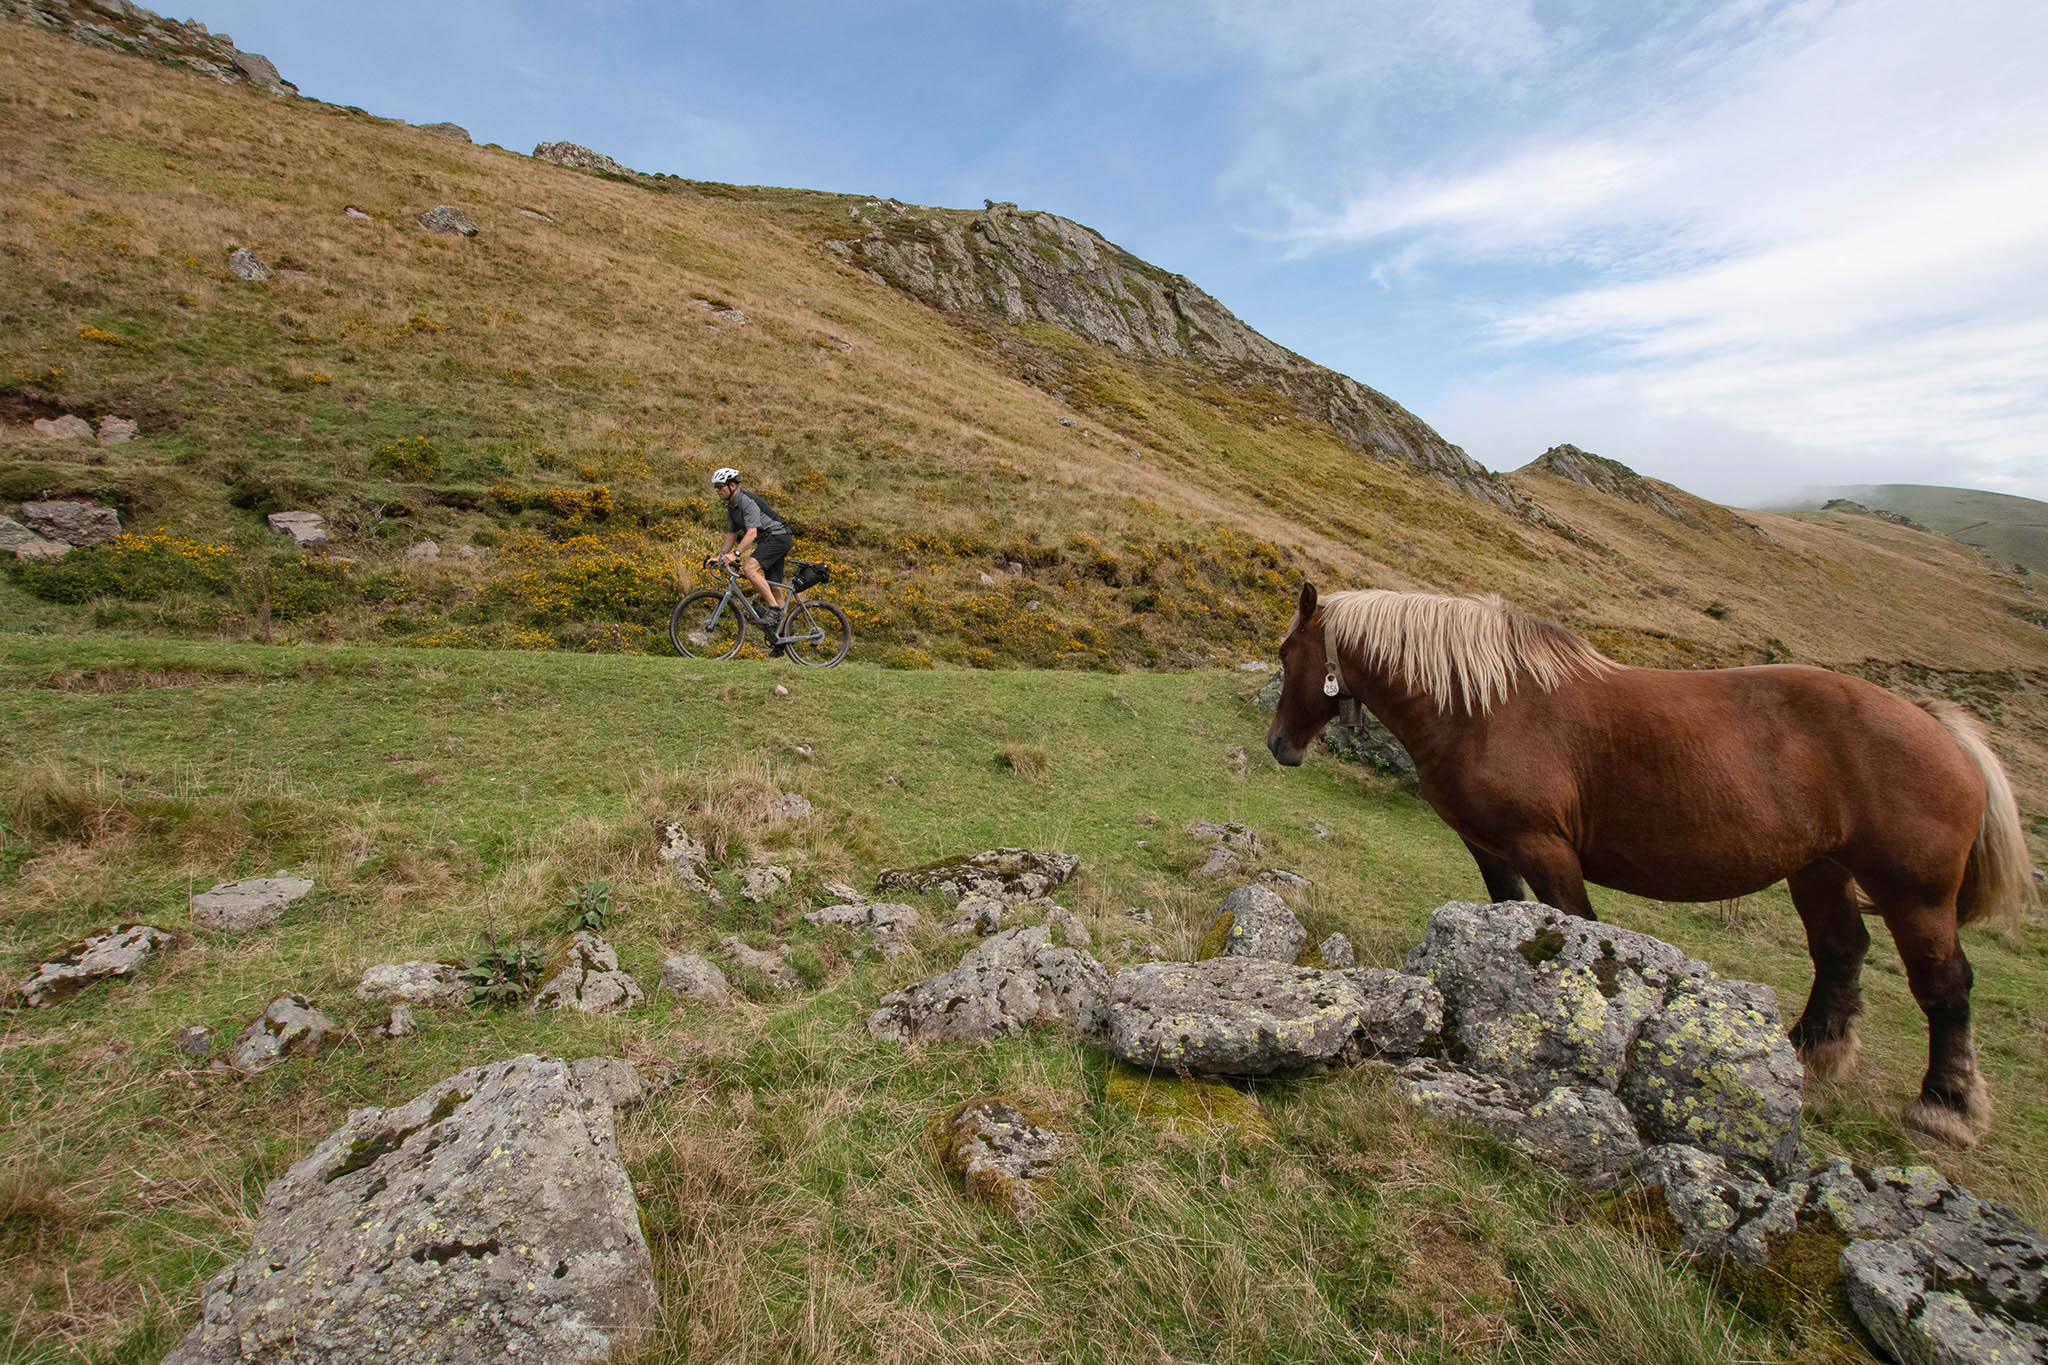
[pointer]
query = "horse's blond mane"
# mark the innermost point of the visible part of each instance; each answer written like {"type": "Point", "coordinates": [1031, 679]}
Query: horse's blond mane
{"type": "Point", "coordinates": [1469, 650]}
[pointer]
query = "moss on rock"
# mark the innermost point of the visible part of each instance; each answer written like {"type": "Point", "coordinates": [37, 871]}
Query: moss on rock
{"type": "Point", "coordinates": [1182, 1104]}
{"type": "Point", "coordinates": [1217, 939]}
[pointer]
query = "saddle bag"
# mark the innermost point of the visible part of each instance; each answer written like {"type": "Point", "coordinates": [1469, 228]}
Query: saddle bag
{"type": "Point", "coordinates": [806, 575]}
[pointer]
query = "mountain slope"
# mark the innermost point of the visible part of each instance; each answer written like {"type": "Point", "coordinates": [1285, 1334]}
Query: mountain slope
{"type": "Point", "coordinates": [2010, 529]}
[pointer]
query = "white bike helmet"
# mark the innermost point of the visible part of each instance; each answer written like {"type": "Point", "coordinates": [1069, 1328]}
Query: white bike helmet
{"type": "Point", "coordinates": [724, 476]}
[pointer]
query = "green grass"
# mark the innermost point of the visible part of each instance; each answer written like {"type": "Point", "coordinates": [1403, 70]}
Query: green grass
{"type": "Point", "coordinates": [441, 796]}
{"type": "Point", "coordinates": [2008, 528]}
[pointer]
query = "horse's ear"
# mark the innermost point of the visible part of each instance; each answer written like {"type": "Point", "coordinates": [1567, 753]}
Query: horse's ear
{"type": "Point", "coordinates": [1308, 599]}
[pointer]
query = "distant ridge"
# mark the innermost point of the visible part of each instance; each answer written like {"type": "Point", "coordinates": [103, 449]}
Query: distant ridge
{"type": "Point", "coordinates": [2009, 528]}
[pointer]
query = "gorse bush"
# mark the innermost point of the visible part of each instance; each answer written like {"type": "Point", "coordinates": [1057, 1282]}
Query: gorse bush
{"type": "Point", "coordinates": [133, 568]}
{"type": "Point", "coordinates": [584, 578]}
{"type": "Point", "coordinates": [298, 588]}
{"type": "Point", "coordinates": [417, 458]}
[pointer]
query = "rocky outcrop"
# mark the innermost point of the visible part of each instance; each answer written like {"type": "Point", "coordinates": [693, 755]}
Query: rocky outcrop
{"type": "Point", "coordinates": [687, 859]}
{"type": "Point", "coordinates": [1016, 266]}
{"type": "Point", "coordinates": [590, 981]}
{"type": "Point", "coordinates": [1000, 1151]}
{"type": "Point", "coordinates": [1612, 477]}
{"type": "Point", "coordinates": [73, 523]}
{"type": "Point", "coordinates": [448, 221]}
{"type": "Point", "coordinates": [1248, 1016]}
{"type": "Point", "coordinates": [773, 965]}
{"type": "Point", "coordinates": [454, 132]}
{"type": "Point", "coordinates": [887, 926]}
{"type": "Point", "coordinates": [69, 427]}
{"type": "Point", "coordinates": [121, 951]}
{"type": "Point", "coordinates": [308, 530]}
{"type": "Point", "coordinates": [1581, 1130]}
{"type": "Point", "coordinates": [122, 26]}
{"type": "Point", "coordinates": [763, 882]}
{"type": "Point", "coordinates": [487, 1219]}
{"type": "Point", "coordinates": [1856, 508]}
{"type": "Point", "coordinates": [23, 543]}
{"type": "Point", "coordinates": [1001, 987]}
{"type": "Point", "coordinates": [245, 264]}
{"type": "Point", "coordinates": [237, 907]}
{"type": "Point", "coordinates": [1004, 874]}
{"type": "Point", "coordinates": [581, 158]}
{"type": "Point", "coordinates": [1541, 1000]}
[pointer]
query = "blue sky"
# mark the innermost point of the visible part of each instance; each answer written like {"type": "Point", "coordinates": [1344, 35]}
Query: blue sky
{"type": "Point", "coordinates": [1744, 246]}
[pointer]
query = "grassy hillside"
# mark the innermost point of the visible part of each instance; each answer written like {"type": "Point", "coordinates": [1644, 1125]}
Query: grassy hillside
{"type": "Point", "coordinates": [2010, 529]}
{"type": "Point", "coordinates": [451, 794]}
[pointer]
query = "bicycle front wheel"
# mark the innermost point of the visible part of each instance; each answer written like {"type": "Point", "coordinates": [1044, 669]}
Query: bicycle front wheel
{"type": "Point", "coordinates": [705, 626]}
{"type": "Point", "coordinates": [819, 634]}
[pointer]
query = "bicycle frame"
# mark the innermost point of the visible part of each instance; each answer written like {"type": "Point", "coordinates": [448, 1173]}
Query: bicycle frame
{"type": "Point", "coordinates": [736, 585]}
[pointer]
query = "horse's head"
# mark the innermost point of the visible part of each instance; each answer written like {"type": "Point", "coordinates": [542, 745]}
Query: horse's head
{"type": "Point", "coordinates": [1305, 707]}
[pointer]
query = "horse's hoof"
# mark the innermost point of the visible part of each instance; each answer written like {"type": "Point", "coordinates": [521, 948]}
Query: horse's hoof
{"type": "Point", "coordinates": [1939, 1124]}
{"type": "Point", "coordinates": [1831, 1057]}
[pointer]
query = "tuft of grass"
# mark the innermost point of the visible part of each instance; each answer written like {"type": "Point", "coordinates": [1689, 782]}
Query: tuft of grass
{"type": "Point", "coordinates": [1026, 760]}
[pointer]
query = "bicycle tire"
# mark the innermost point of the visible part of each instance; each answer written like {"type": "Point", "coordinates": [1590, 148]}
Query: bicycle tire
{"type": "Point", "coordinates": [708, 641]}
{"type": "Point", "coordinates": [835, 633]}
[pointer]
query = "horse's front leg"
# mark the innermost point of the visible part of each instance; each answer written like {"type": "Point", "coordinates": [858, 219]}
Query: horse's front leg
{"type": "Point", "coordinates": [1552, 867]}
{"type": "Point", "coordinates": [1503, 883]}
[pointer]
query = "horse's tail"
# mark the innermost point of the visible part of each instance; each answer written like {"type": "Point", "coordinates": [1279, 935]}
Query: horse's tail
{"type": "Point", "coordinates": [1998, 881]}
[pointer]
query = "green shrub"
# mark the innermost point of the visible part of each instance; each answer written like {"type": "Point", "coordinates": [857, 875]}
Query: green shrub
{"type": "Point", "coordinates": [306, 587]}
{"type": "Point", "coordinates": [417, 458]}
{"type": "Point", "coordinates": [132, 568]}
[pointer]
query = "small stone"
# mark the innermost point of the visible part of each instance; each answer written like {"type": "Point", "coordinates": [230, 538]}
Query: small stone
{"type": "Point", "coordinates": [999, 1154]}
{"type": "Point", "coordinates": [775, 966]}
{"type": "Point", "coordinates": [466, 552]}
{"type": "Point", "coordinates": [65, 428]}
{"type": "Point", "coordinates": [617, 1083]}
{"type": "Point", "coordinates": [1580, 1130]}
{"type": "Point", "coordinates": [1323, 831]}
{"type": "Point", "coordinates": [246, 264]}
{"type": "Point", "coordinates": [72, 523]}
{"type": "Point", "coordinates": [1337, 953]}
{"type": "Point", "coordinates": [579, 157]}
{"type": "Point", "coordinates": [117, 953]}
{"type": "Point", "coordinates": [695, 978]}
{"type": "Point", "coordinates": [308, 530]}
{"type": "Point", "coordinates": [978, 915]}
{"type": "Point", "coordinates": [447, 220]}
{"type": "Point", "coordinates": [1230, 835]}
{"type": "Point", "coordinates": [351, 211]}
{"type": "Point", "coordinates": [1014, 569]}
{"type": "Point", "coordinates": [1072, 932]}
{"type": "Point", "coordinates": [1006, 874]}
{"type": "Point", "coordinates": [237, 907]}
{"type": "Point", "coordinates": [1235, 757]}
{"type": "Point", "coordinates": [790, 806]}
{"type": "Point", "coordinates": [686, 858]}
{"type": "Point", "coordinates": [1254, 922]}
{"type": "Point", "coordinates": [195, 1041]}
{"type": "Point", "coordinates": [1032, 605]}
{"type": "Point", "coordinates": [422, 552]}
{"type": "Point", "coordinates": [1254, 666]}
{"type": "Point", "coordinates": [412, 983]}
{"type": "Point", "coordinates": [13, 535]}
{"type": "Point", "coordinates": [401, 1023]}
{"type": "Point", "coordinates": [1720, 1210]}
{"type": "Point", "coordinates": [117, 431]}
{"type": "Point", "coordinates": [1222, 862]}
{"type": "Point", "coordinates": [781, 691]}
{"type": "Point", "coordinates": [1290, 881]}
{"type": "Point", "coordinates": [843, 893]}
{"type": "Point", "coordinates": [1137, 915]}
{"type": "Point", "coordinates": [759, 884]}
{"type": "Point", "coordinates": [988, 580]}
{"type": "Point", "coordinates": [290, 1027]}
{"type": "Point", "coordinates": [39, 548]}
{"type": "Point", "coordinates": [1002, 986]}
{"type": "Point", "coordinates": [888, 925]}
{"type": "Point", "coordinates": [590, 982]}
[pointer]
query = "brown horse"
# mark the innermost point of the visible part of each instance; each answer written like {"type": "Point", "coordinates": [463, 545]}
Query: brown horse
{"type": "Point", "coordinates": [1555, 764]}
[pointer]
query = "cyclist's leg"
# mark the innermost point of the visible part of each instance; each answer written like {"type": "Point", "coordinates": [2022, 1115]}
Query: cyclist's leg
{"type": "Point", "coordinates": [771, 554]}
{"type": "Point", "coordinates": [759, 578]}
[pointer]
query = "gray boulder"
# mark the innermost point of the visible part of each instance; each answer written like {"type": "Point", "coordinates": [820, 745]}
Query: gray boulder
{"type": "Point", "coordinates": [1285, 880]}
{"type": "Point", "coordinates": [1337, 953]}
{"type": "Point", "coordinates": [1002, 986]}
{"type": "Point", "coordinates": [194, 1041]}
{"type": "Point", "coordinates": [289, 1027]}
{"type": "Point", "coordinates": [1542, 999]}
{"type": "Point", "coordinates": [487, 1219]}
{"type": "Point", "coordinates": [686, 859]}
{"type": "Point", "coordinates": [1253, 921]}
{"type": "Point", "coordinates": [247, 265]}
{"type": "Point", "coordinates": [1222, 862]}
{"type": "Point", "coordinates": [308, 530]}
{"type": "Point", "coordinates": [1248, 1016]}
{"type": "Point", "coordinates": [1230, 834]}
{"type": "Point", "coordinates": [413, 983]}
{"type": "Point", "coordinates": [1579, 1129]}
{"type": "Point", "coordinates": [422, 552]}
{"type": "Point", "coordinates": [978, 915]}
{"type": "Point", "coordinates": [237, 907]}
{"type": "Point", "coordinates": [401, 1023]}
{"type": "Point", "coordinates": [1004, 874]}
{"type": "Point", "coordinates": [118, 431]}
{"type": "Point", "coordinates": [68, 427]}
{"type": "Point", "coordinates": [694, 978]}
{"type": "Point", "coordinates": [73, 523]}
{"type": "Point", "coordinates": [447, 220]}
{"type": "Point", "coordinates": [1000, 1155]}
{"type": "Point", "coordinates": [1720, 1210]}
{"type": "Point", "coordinates": [13, 535]}
{"type": "Point", "coordinates": [1969, 1288]}
{"type": "Point", "coordinates": [579, 157]}
{"type": "Point", "coordinates": [887, 926]}
{"type": "Point", "coordinates": [121, 951]}
{"type": "Point", "coordinates": [590, 982]}
{"type": "Point", "coordinates": [772, 965]}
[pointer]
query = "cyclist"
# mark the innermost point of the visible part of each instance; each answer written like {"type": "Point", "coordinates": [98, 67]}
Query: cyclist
{"type": "Point", "coordinates": [756, 538]}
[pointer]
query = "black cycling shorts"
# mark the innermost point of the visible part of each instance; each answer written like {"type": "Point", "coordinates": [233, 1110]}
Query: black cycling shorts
{"type": "Point", "coordinates": [770, 551]}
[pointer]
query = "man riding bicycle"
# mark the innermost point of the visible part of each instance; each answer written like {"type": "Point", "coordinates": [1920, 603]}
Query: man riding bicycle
{"type": "Point", "coordinates": [756, 537]}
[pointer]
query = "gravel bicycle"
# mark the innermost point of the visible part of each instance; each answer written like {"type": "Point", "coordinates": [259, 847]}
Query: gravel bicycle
{"type": "Point", "coordinates": [712, 623]}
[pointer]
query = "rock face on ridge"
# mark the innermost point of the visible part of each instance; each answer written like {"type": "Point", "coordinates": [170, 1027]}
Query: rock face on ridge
{"type": "Point", "coordinates": [580, 157]}
{"type": "Point", "coordinates": [487, 1219]}
{"type": "Point", "coordinates": [121, 26]}
{"type": "Point", "coordinates": [1607, 476]}
{"type": "Point", "coordinates": [1014, 265]}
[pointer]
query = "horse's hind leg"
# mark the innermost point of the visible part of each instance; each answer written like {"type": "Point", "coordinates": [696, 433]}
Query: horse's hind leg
{"type": "Point", "coordinates": [1552, 867]}
{"type": "Point", "coordinates": [1953, 1101]}
{"type": "Point", "coordinates": [1825, 1036]}
{"type": "Point", "coordinates": [1503, 883]}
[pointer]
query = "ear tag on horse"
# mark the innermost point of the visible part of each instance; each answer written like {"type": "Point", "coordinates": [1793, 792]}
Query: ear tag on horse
{"type": "Point", "coordinates": [1330, 683]}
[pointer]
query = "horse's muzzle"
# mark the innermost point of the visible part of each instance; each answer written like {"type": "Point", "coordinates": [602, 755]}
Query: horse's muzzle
{"type": "Point", "coordinates": [1284, 753]}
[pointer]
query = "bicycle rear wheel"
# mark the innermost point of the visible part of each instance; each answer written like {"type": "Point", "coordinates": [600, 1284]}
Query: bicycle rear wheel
{"type": "Point", "coordinates": [701, 628]}
{"type": "Point", "coordinates": [822, 633]}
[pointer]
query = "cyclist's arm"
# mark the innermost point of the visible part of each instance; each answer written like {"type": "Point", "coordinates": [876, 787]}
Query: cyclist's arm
{"type": "Point", "coordinates": [746, 545]}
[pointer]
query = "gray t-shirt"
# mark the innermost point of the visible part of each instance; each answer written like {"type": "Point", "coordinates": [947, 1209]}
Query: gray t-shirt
{"type": "Point", "coordinates": [748, 511]}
